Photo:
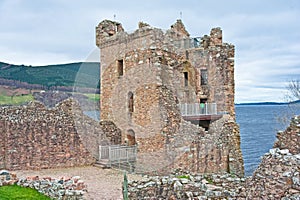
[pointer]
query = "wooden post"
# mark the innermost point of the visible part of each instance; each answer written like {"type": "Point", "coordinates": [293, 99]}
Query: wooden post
{"type": "Point", "coordinates": [125, 187]}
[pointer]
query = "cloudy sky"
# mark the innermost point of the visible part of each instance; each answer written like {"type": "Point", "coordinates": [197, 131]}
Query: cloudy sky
{"type": "Point", "coordinates": [266, 34]}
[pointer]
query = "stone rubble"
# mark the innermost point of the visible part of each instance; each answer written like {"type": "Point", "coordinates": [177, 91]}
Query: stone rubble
{"type": "Point", "coordinates": [277, 176]}
{"type": "Point", "coordinates": [185, 185]}
{"type": "Point", "coordinates": [66, 188]}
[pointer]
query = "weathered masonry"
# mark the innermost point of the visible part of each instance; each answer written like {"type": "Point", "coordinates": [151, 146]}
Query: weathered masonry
{"type": "Point", "coordinates": [171, 95]}
{"type": "Point", "coordinates": [36, 137]}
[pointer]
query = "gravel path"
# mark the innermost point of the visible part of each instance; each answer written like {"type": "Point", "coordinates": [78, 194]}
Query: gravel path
{"type": "Point", "coordinates": [102, 184]}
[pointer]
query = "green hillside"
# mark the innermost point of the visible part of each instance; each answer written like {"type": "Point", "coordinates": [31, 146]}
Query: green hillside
{"type": "Point", "coordinates": [82, 74]}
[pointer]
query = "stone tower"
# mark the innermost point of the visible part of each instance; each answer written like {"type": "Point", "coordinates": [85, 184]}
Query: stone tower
{"type": "Point", "coordinates": [146, 77]}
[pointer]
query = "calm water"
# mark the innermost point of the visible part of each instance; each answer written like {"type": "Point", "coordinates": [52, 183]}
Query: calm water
{"type": "Point", "coordinates": [258, 127]}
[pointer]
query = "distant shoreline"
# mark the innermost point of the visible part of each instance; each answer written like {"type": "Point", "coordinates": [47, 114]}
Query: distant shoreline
{"type": "Point", "coordinates": [267, 103]}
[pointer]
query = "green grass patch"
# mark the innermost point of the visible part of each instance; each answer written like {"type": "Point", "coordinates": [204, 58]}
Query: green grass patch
{"type": "Point", "coordinates": [93, 97]}
{"type": "Point", "coordinates": [184, 176]}
{"type": "Point", "coordinates": [15, 100]}
{"type": "Point", "coordinates": [209, 180]}
{"type": "Point", "coordinates": [17, 193]}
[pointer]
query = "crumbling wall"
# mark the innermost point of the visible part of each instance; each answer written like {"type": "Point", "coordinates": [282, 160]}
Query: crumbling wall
{"type": "Point", "coordinates": [63, 188]}
{"type": "Point", "coordinates": [277, 177]}
{"type": "Point", "coordinates": [227, 137]}
{"type": "Point", "coordinates": [278, 174]}
{"type": "Point", "coordinates": [289, 139]}
{"type": "Point", "coordinates": [2, 148]}
{"type": "Point", "coordinates": [218, 59]}
{"type": "Point", "coordinates": [172, 147]}
{"type": "Point", "coordinates": [142, 81]}
{"type": "Point", "coordinates": [35, 137]}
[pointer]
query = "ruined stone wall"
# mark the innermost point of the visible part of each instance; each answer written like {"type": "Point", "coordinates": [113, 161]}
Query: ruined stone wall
{"type": "Point", "coordinates": [189, 147]}
{"type": "Point", "coordinates": [289, 139]}
{"type": "Point", "coordinates": [142, 81]}
{"type": "Point", "coordinates": [2, 148]}
{"type": "Point", "coordinates": [171, 147]}
{"type": "Point", "coordinates": [227, 136]}
{"type": "Point", "coordinates": [214, 55]}
{"type": "Point", "coordinates": [217, 150]}
{"type": "Point", "coordinates": [277, 177]}
{"type": "Point", "coordinates": [153, 66]}
{"type": "Point", "coordinates": [114, 47]}
{"type": "Point", "coordinates": [127, 49]}
{"type": "Point", "coordinates": [218, 60]}
{"type": "Point", "coordinates": [35, 137]}
{"type": "Point", "coordinates": [221, 78]}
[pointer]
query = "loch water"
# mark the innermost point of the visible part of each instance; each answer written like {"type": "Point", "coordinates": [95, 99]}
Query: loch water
{"type": "Point", "coordinates": [259, 125]}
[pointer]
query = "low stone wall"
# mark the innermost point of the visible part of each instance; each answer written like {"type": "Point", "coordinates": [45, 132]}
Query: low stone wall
{"type": "Point", "coordinates": [277, 176]}
{"type": "Point", "coordinates": [185, 185]}
{"type": "Point", "coordinates": [64, 188]}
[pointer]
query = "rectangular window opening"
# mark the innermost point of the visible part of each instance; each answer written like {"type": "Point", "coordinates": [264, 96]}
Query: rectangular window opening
{"type": "Point", "coordinates": [186, 78]}
{"type": "Point", "coordinates": [120, 68]}
{"type": "Point", "coordinates": [204, 78]}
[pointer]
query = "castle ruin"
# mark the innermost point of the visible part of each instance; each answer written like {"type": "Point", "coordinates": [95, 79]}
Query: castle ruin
{"type": "Point", "coordinates": [171, 95]}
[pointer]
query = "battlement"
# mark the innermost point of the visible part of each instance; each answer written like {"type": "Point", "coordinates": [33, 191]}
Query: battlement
{"type": "Point", "coordinates": [109, 33]}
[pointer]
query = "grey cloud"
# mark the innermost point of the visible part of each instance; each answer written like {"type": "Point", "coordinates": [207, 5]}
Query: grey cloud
{"type": "Point", "coordinates": [265, 33]}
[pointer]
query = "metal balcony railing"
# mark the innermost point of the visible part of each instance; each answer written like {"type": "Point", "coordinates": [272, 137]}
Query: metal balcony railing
{"type": "Point", "coordinates": [197, 109]}
{"type": "Point", "coordinates": [117, 153]}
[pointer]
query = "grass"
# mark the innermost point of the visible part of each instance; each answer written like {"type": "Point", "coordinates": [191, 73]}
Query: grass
{"type": "Point", "coordinates": [93, 97]}
{"type": "Point", "coordinates": [185, 177]}
{"type": "Point", "coordinates": [20, 193]}
{"type": "Point", "coordinates": [15, 100]}
{"type": "Point", "coordinates": [209, 180]}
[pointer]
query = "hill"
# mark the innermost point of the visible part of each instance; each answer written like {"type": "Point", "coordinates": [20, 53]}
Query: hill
{"type": "Point", "coordinates": [81, 74]}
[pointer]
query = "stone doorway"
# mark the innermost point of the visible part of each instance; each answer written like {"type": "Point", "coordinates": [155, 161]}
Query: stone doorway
{"type": "Point", "coordinates": [130, 138]}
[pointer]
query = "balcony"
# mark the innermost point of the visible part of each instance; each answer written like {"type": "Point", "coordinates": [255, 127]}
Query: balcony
{"type": "Point", "coordinates": [195, 111]}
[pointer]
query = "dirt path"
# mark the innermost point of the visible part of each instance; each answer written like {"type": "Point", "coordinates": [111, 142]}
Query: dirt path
{"type": "Point", "coordinates": [102, 184]}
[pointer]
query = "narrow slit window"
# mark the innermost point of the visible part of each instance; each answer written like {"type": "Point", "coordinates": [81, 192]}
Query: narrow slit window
{"type": "Point", "coordinates": [204, 79]}
{"type": "Point", "coordinates": [186, 78]}
{"type": "Point", "coordinates": [130, 103]}
{"type": "Point", "coordinates": [120, 66]}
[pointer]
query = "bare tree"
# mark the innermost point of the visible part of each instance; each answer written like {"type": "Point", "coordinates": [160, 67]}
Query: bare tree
{"type": "Point", "coordinates": [293, 90]}
{"type": "Point", "coordinates": [292, 96]}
